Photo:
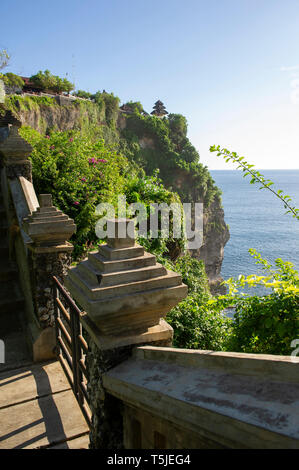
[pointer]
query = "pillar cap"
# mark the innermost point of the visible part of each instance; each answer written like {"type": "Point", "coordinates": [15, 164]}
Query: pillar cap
{"type": "Point", "coordinates": [47, 226]}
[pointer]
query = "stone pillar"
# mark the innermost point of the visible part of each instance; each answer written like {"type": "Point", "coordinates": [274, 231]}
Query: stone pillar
{"type": "Point", "coordinates": [125, 294]}
{"type": "Point", "coordinates": [49, 255]}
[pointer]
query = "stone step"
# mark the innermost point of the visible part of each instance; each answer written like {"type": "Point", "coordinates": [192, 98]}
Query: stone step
{"type": "Point", "coordinates": [171, 279]}
{"type": "Point", "coordinates": [102, 265]}
{"type": "Point", "coordinates": [123, 277]}
{"type": "Point", "coordinates": [114, 254]}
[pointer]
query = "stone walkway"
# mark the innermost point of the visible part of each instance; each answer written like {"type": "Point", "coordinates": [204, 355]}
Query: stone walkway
{"type": "Point", "coordinates": [38, 410]}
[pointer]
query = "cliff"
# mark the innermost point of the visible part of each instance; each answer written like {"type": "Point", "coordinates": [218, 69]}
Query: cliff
{"type": "Point", "coordinates": [149, 141]}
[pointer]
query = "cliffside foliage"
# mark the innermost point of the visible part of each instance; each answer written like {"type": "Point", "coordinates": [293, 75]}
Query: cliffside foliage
{"type": "Point", "coordinates": [170, 150]}
{"type": "Point", "coordinates": [82, 171]}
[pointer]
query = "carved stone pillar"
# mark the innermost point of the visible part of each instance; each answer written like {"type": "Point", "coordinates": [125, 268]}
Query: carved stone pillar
{"type": "Point", "coordinates": [125, 294]}
{"type": "Point", "coordinates": [49, 255]}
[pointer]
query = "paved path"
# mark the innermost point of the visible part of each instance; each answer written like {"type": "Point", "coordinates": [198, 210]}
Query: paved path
{"type": "Point", "coordinates": [38, 409]}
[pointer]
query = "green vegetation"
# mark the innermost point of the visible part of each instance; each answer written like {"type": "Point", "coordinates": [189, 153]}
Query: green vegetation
{"type": "Point", "coordinates": [12, 80]}
{"type": "Point", "coordinates": [169, 150]}
{"type": "Point", "coordinates": [98, 161]}
{"type": "Point", "coordinates": [270, 323]}
{"type": "Point", "coordinates": [46, 81]}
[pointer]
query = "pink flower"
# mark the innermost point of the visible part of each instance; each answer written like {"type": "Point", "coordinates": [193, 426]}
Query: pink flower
{"type": "Point", "coordinates": [76, 203]}
{"type": "Point", "coordinates": [71, 139]}
{"type": "Point", "coordinates": [83, 179]}
{"type": "Point", "coordinates": [52, 147]}
{"type": "Point", "coordinates": [47, 137]}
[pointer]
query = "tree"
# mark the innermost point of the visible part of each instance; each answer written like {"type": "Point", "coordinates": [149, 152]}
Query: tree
{"type": "Point", "coordinates": [12, 80]}
{"type": "Point", "coordinates": [46, 81]}
{"type": "Point", "coordinates": [159, 109]}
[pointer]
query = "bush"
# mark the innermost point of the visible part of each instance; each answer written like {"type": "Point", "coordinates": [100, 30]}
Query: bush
{"type": "Point", "coordinates": [264, 324]}
{"type": "Point", "coordinates": [80, 173]}
{"type": "Point", "coordinates": [196, 326]}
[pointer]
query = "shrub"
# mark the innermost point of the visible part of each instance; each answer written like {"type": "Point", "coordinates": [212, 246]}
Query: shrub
{"type": "Point", "coordinates": [80, 173]}
{"type": "Point", "coordinates": [264, 324]}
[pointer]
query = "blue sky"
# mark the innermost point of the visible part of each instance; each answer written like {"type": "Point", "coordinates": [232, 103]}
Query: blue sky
{"type": "Point", "coordinates": [230, 66]}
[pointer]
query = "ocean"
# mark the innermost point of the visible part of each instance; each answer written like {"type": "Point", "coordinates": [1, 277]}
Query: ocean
{"type": "Point", "coordinates": [257, 219]}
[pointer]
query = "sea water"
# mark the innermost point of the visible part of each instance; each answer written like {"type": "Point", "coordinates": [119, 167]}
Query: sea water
{"type": "Point", "coordinates": [257, 219]}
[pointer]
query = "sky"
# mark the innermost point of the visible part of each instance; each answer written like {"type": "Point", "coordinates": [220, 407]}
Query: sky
{"type": "Point", "coordinates": [230, 66]}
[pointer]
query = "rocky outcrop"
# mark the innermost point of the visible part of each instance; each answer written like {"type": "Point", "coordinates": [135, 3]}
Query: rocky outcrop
{"type": "Point", "coordinates": [216, 232]}
{"type": "Point", "coordinates": [216, 235]}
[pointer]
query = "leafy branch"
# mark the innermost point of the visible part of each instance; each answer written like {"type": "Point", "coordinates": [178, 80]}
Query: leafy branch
{"type": "Point", "coordinates": [256, 177]}
{"type": "Point", "coordinates": [4, 58]}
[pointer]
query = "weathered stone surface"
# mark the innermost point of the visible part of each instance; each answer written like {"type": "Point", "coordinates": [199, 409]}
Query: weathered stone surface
{"type": "Point", "coordinates": [44, 265]}
{"type": "Point", "coordinates": [107, 421]}
{"type": "Point", "coordinates": [216, 396]}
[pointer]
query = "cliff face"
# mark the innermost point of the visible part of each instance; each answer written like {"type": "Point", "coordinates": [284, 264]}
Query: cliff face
{"type": "Point", "coordinates": [83, 114]}
{"type": "Point", "coordinates": [47, 115]}
{"type": "Point", "coordinates": [216, 235]}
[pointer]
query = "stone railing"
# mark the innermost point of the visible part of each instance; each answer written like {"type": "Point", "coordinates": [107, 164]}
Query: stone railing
{"type": "Point", "coordinates": [37, 234]}
{"type": "Point", "coordinates": [190, 399]}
